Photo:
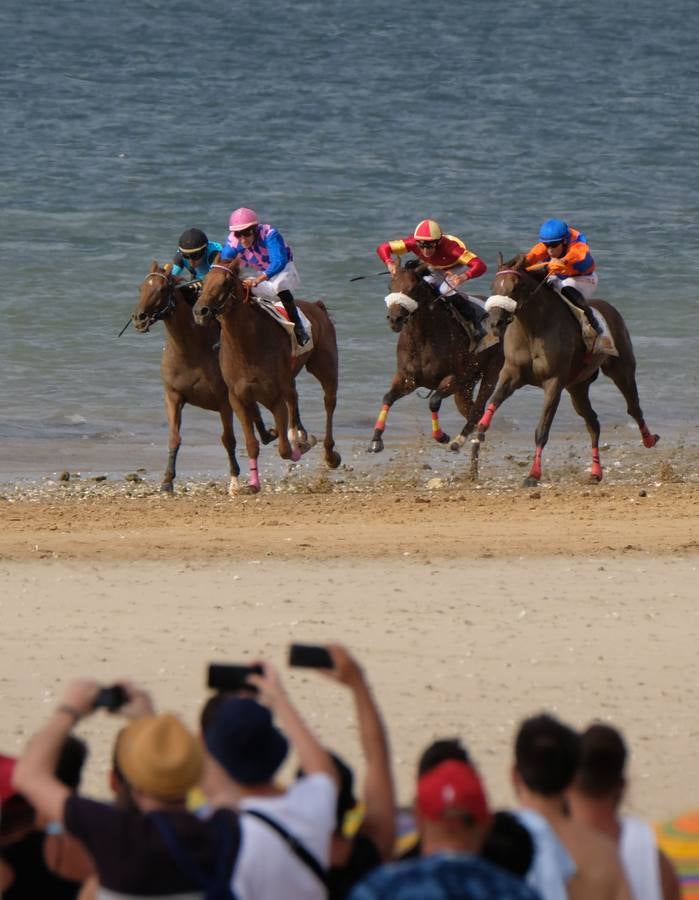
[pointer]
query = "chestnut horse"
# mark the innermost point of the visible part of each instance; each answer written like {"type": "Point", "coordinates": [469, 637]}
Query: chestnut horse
{"type": "Point", "coordinates": [189, 367]}
{"type": "Point", "coordinates": [258, 366]}
{"type": "Point", "coordinates": [433, 352]}
{"type": "Point", "coordinates": [544, 347]}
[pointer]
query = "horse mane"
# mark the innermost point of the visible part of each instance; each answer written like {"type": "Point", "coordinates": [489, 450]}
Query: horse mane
{"type": "Point", "coordinates": [517, 262]}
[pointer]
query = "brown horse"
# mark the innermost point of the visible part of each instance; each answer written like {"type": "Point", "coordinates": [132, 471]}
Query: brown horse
{"type": "Point", "coordinates": [433, 352]}
{"type": "Point", "coordinates": [544, 347]}
{"type": "Point", "coordinates": [258, 366]}
{"type": "Point", "coordinates": [189, 367]}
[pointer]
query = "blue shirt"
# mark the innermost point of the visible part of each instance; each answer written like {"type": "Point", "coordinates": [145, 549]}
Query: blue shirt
{"type": "Point", "coordinates": [269, 253]}
{"type": "Point", "coordinates": [442, 876]}
{"type": "Point", "coordinates": [180, 264]}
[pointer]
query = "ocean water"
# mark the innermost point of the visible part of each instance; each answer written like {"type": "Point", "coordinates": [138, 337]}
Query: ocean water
{"type": "Point", "coordinates": [343, 124]}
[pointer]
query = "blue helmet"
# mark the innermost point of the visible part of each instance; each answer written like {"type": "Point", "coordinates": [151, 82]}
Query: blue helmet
{"type": "Point", "coordinates": [553, 231]}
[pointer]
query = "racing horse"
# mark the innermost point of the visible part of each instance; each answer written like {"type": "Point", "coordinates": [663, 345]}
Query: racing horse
{"type": "Point", "coordinates": [189, 367]}
{"type": "Point", "coordinates": [258, 366]}
{"type": "Point", "coordinates": [543, 347]}
{"type": "Point", "coordinates": [433, 352]}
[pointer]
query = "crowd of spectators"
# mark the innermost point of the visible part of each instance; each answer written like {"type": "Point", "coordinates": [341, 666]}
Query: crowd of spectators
{"type": "Point", "coordinates": [206, 815]}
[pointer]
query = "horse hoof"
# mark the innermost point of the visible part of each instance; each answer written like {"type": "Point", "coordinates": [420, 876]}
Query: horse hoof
{"type": "Point", "coordinates": [530, 482]}
{"type": "Point", "coordinates": [268, 436]}
{"type": "Point", "coordinates": [595, 478]}
{"type": "Point", "coordinates": [457, 443]}
{"type": "Point", "coordinates": [250, 489]}
{"type": "Point", "coordinates": [375, 447]}
{"type": "Point", "coordinates": [443, 438]}
{"type": "Point", "coordinates": [333, 459]}
{"type": "Point", "coordinates": [234, 487]}
{"type": "Point", "coordinates": [651, 440]}
{"type": "Point", "coordinates": [166, 487]}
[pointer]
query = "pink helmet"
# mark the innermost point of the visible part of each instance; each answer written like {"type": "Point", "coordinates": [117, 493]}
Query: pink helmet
{"type": "Point", "coordinates": [242, 218]}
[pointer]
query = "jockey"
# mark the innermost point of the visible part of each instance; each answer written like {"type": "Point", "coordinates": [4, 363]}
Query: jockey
{"type": "Point", "coordinates": [564, 253]}
{"type": "Point", "coordinates": [450, 264]}
{"type": "Point", "coordinates": [195, 253]}
{"type": "Point", "coordinates": [263, 248]}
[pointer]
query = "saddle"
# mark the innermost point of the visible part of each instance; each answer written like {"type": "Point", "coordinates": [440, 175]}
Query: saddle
{"type": "Point", "coordinates": [276, 310]}
{"type": "Point", "coordinates": [594, 343]}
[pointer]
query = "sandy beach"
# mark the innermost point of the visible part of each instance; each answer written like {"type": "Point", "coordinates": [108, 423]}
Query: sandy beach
{"type": "Point", "coordinates": [470, 606]}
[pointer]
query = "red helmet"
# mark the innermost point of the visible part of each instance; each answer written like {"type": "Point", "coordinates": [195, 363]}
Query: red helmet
{"type": "Point", "coordinates": [427, 230]}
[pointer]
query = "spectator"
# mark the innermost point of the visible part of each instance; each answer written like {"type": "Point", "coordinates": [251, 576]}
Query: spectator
{"type": "Point", "coordinates": [595, 798]}
{"type": "Point", "coordinates": [351, 857]}
{"type": "Point", "coordinates": [290, 830]}
{"type": "Point", "coordinates": [453, 819]}
{"type": "Point", "coordinates": [38, 860]}
{"type": "Point", "coordinates": [153, 847]}
{"type": "Point", "coordinates": [570, 860]}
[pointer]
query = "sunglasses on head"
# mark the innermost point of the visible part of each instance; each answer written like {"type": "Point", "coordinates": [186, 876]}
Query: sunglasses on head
{"type": "Point", "coordinates": [426, 245]}
{"type": "Point", "coordinates": [246, 232]}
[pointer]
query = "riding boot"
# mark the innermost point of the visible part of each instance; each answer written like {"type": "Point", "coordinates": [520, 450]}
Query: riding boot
{"type": "Point", "coordinates": [468, 311]}
{"type": "Point", "coordinates": [577, 299]}
{"type": "Point", "coordinates": [292, 312]}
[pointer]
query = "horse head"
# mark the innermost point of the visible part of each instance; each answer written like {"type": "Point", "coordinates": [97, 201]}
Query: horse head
{"type": "Point", "coordinates": [408, 293]}
{"type": "Point", "coordinates": [221, 285]}
{"type": "Point", "coordinates": [512, 286]}
{"type": "Point", "coordinates": [155, 298]}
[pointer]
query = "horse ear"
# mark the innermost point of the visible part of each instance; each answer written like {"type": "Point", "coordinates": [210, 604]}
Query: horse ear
{"type": "Point", "coordinates": [501, 259]}
{"type": "Point", "coordinates": [153, 266]}
{"type": "Point", "coordinates": [216, 259]}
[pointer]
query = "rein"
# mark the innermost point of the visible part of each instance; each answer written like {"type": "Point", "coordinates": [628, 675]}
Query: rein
{"type": "Point", "coordinates": [246, 295]}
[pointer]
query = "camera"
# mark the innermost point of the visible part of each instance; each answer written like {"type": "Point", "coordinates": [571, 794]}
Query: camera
{"type": "Point", "coordinates": [224, 677]}
{"type": "Point", "coordinates": [111, 698]}
{"type": "Point", "coordinates": [310, 656]}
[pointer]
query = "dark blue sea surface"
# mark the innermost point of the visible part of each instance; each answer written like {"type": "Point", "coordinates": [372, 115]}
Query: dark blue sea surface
{"type": "Point", "coordinates": [343, 124]}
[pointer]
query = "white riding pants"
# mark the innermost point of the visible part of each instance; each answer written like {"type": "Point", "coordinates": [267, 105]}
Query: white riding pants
{"type": "Point", "coordinates": [438, 277]}
{"type": "Point", "coordinates": [586, 284]}
{"type": "Point", "coordinates": [286, 280]}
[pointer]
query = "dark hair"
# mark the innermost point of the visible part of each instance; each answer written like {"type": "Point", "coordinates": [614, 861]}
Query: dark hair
{"type": "Point", "coordinates": [440, 751]}
{"type": "Point", "coordinates": [71, 761]}
{"type": "Point", "coordinates": [602, 759]}
{"type": "Point", "coordinates": [508, 844]}
{"type": "Point", "coordinates": [546, 754]}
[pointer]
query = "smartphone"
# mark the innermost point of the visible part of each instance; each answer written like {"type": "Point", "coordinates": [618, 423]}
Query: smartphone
{"type": "Point", "coordinates": [224, 677]}
{"type": "Point", "coordinates": [111, 698]}
{"type": "Point", "coordinates": [310, 656]}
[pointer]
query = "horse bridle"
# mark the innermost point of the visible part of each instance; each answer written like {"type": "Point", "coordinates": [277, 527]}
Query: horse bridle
{"type": "Point", "coordinates": [216, 311]}
{"type": "Point", "coordinates": [169, 305]}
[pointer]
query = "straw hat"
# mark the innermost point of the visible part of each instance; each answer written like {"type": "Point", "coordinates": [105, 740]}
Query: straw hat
{"type": "Point", "coordinates": [159, 756]}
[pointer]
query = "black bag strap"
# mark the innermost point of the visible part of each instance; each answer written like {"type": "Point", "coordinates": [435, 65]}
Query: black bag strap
{"type": "Point", "coordinates": [227, 846]}
{"type": "Point", "coordinates": [296, 847]}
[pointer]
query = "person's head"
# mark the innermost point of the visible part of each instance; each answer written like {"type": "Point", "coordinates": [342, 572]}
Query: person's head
{"type": "Point", "coordinates": [192, 244]}
{"type": "Point", "coordinates": [159, 759]}
{"type": "Point", "coordinates": [439, 751]}
{"type": "Point", "coordinates": [428, 235]}
{"type": "Point", "coordinates": [243, 225]}
{"type": "Point", "coordinates": [508, 844]}
{"type": "Point", "coordinates": [244, 741]}
{"type": "Point", "coordinates": [451, 807]}
{"type": "Point", "coordinates": [555, 234]}
{"type": "Point", "coordinates": [546, 756]}
{"type": "Point", "coordinates": [600, 772]}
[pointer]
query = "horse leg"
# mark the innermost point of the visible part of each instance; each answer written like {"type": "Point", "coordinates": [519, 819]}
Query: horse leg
{"type": "Point", "coordinates": [246, 413]}
{"type": "Point", "coordinates": [325, 371]}
{"type": "Point", "coordinates": [284, 412]}
{"type": "Point", "coordinates": [552, 397]}
{"type": "Point", "coordinates": [228, 441]}
{"type": "Point", "coordinates": [267, 435]}
{"type": "Point", "coordinates": [174, 403]}
{"type": "Point", "coordinates": [400, 386]}
{"type": "Point", "coordinates": [508, 382]}
{"type": "Point", "coordinates": [445, 388]}
{"type": "Point", "coordinates": [580, 395]}
{"type": "Point", "coordinates": [473, 411]}
{"type": "Point", "coordinates": [622, 371]}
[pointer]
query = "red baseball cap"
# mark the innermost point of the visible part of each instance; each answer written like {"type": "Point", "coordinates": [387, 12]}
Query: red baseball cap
{"type": "Point", "coordinates": [7, 767]}
{"type": "Point", "coordinates": [452, 788]}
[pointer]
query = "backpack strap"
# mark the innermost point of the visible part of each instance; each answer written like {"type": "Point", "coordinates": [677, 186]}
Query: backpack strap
{"type": "Point", "coordinates": [227, 846]}
{"type": "Point", "coordinates": [296, 847]}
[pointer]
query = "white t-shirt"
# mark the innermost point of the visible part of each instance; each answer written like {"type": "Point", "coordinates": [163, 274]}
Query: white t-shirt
{"type": "Point", "coordinates": [552, 866]}
{"type": "Point", "coordinates": [267, 868]}
{"type": "Point", "coordinates": [639, 856]}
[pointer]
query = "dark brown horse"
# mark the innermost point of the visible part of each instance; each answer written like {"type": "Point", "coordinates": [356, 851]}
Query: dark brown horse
{"type": "Point", "coordinates": [189, 367]}
{"type": "Point", "coordinates": [433, 352]}
{"type": "Point", "coordinates": [544, 347]}
{"type": "Point", "coordinates": [258, 366]}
